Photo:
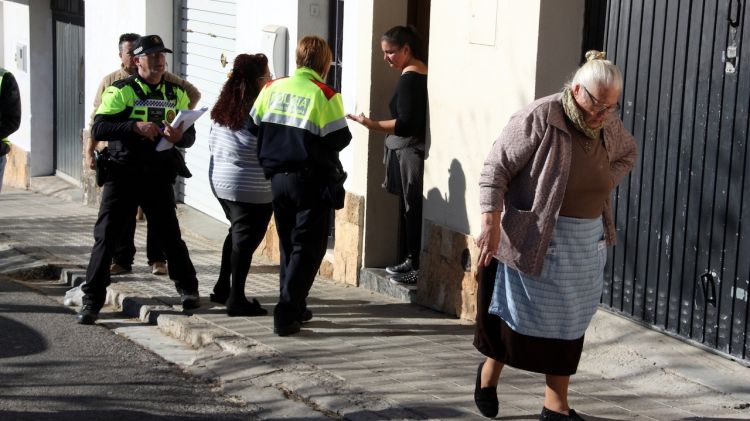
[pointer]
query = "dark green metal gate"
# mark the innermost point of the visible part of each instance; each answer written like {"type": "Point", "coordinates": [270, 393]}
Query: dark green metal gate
{"type": "Point", "coordinates": [682, 263]}
{"type": "Point", "coordinates": [69, 87]}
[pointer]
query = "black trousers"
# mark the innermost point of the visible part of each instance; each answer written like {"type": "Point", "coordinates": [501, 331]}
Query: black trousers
{"type": "Point", "coordinates": [248, 225]}
{"type": "Point", "coordinates": [125, 253]}
{"type": "Point", "coordinates": [405, 179]}
{"type": "Point", "coordinates": [302, 222]}
{"type": "Point", "coordinates": [121, 194]}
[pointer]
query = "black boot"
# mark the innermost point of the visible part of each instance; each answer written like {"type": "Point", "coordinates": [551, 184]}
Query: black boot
{"type": "Point", "coordinates": [246, 308]}
{"type": "Point", "coordinates": [237, 304]}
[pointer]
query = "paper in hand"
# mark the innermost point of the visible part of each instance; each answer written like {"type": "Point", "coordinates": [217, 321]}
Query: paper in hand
{"type": "Point", "coordinates": [187, 117]}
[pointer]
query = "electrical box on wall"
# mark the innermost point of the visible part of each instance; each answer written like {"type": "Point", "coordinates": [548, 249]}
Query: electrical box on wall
{"type": "Point", "coordinates": [21, 57]}
{"type": "Point", "coordinates": [274, 42]}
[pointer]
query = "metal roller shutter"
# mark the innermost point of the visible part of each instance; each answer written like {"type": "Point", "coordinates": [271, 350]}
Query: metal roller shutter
{"type": "Point", "coordinates": [207, 50]}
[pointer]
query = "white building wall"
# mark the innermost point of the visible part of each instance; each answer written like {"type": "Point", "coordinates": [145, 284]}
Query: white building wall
{"type": "Point", "coordinates": [2, 33]}
{"type": "Point", "coordinates": [355, 89]}
{"type": "Point", "coordinates": [103, 33]}
{"type": "Point", "coordinates": [252, 16]}
{"type": "Point", "coordinates": [15, 30]}
{"type": "Point", "coordinates": [312, 18]}
{"type": "Point", "coordinates": [30, 26]}
{"type": "Point", "coordinates": [498, 56]}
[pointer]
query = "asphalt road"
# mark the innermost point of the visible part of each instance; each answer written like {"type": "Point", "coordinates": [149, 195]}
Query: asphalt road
{"type": "Point", "coordinates": [54, 369]}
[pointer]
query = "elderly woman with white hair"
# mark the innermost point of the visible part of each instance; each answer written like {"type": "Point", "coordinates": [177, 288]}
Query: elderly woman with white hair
{"type": "Point", "coordinates": [546, 223]}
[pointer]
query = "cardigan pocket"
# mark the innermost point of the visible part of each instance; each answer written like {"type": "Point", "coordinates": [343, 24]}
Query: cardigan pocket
{"type": "Point", "coordinates": [521, 236]}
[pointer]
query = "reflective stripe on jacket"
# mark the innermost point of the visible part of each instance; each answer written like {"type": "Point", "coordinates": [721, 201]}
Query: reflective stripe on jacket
{"type": "Point", "coordinates": [301, 125]}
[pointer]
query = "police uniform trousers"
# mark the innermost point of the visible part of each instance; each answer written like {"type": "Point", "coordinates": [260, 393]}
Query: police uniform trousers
{"type": "Point", "coordinates": [302, 221]}
{"type": "Point", "coordinates": [122, 192]}
{"type": "Point", "coordinates": [125, 253]}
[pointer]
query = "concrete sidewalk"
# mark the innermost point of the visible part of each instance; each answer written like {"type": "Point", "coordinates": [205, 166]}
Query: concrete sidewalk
{"type": "Point", "coordinates": [366, 356]}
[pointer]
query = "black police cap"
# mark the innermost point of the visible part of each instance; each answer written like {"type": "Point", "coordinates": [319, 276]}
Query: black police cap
{"type": "Point", "coordinates": [149, 44]}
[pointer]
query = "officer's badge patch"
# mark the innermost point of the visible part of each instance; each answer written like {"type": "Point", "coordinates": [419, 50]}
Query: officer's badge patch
{"type": "Point", "coordinates": [170, 116]}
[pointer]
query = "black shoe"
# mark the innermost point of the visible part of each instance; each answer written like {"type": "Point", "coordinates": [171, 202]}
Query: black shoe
{"type": "Point", "coordinates": [87, 315]}
{"type": "Point", "coordinates": [247, 309]}
{"type": "Point", "coordinates": [288, 329]}
{"type": "Point", "coordinates": [190, 300]}
{"type": "Point", "coordinates": [549, 415]}
{"type": "Point", "coordinates": [400, 268]}
{"type": "Point", "coordinates": [306, 316]}
{"type": "Point", "coordinates": [485, 397]}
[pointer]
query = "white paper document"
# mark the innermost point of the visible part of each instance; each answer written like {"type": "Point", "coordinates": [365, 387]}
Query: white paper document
{"type": "Point", "coordinates": [187, 117]}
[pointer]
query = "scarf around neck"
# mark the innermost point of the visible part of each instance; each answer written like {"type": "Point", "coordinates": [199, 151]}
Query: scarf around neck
{"type": "Point", "coordinates": [576, 117]}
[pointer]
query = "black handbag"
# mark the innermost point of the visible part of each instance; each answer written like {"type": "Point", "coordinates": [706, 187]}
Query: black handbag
{"type": "Point", "coordinates": [333, 192]}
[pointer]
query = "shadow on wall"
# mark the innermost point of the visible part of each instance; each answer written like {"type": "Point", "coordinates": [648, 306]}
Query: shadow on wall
{"type": "Point", "coordinates": [451, 205]}
{"type": "Point", "coordinates": [447, 283]}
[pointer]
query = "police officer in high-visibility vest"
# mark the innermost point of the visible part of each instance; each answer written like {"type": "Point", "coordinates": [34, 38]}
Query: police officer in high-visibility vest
{"type": "Point", "coordinates": [301, 127]}
{"type": "Point", "coordinates": [10, 115]}
{"type": "Point", "coordinates": [134, 115]}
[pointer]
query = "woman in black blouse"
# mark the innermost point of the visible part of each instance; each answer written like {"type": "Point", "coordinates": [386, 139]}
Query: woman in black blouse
{"type": "Point", "coordinates": [405, 143]}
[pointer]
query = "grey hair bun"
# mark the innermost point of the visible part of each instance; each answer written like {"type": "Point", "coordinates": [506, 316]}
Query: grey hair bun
{"type": "Point", "coordinates": [595, 55]}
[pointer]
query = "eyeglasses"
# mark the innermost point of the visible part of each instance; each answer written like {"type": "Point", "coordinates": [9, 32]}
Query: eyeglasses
{"type": "Point", "coordinates": [265, 78]}
{"type": "Point", "coordinates": [601, 109]}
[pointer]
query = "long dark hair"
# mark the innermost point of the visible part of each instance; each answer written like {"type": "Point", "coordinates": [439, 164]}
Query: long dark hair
{"type": "Point", "coordinates": [403, 35]}
{"type": "Point", "coordinates": [240, 90]}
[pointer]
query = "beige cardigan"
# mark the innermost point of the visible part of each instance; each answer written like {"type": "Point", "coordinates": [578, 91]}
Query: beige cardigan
{"type": "Point", "coordinates": [525, 175]}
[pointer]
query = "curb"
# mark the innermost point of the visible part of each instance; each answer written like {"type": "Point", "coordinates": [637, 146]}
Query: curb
{"type": "Point", "coordinates": [242, 365]}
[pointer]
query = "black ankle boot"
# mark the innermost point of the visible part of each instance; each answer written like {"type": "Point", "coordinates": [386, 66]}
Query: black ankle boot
{"type": "Point", "coordinates": [245, 308]}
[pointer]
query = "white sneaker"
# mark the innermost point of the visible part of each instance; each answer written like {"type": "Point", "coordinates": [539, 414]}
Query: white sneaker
{"type": "Point", "coordinates": [159, 268]}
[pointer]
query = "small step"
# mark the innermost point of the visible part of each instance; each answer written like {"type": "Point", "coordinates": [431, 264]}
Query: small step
{"type": "Point", "coordinates": [376, 279]}
{"type": "Point", "coordinates": [72, 276]}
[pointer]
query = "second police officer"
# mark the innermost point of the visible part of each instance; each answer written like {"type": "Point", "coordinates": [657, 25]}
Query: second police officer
{"type": "Point", "coordinates": [133, 116]}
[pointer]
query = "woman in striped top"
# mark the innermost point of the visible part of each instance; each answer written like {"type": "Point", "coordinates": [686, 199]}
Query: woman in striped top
{"type": "Point", "coordinates": [238, 182]}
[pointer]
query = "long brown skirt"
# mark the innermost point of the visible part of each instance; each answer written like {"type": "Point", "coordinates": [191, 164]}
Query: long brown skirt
{"type": "Point", "coordinates": [495, 339]}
